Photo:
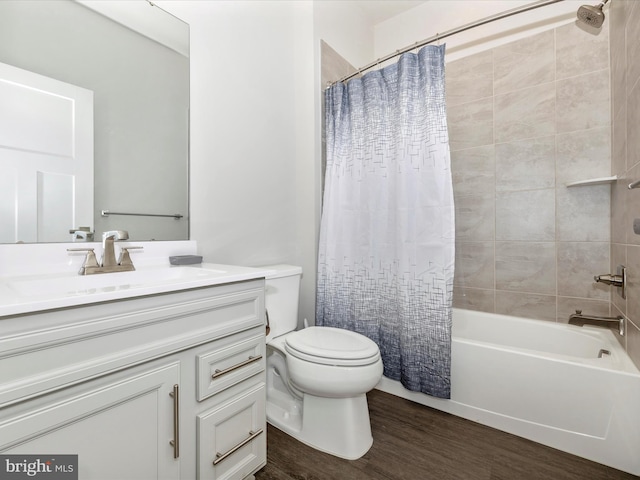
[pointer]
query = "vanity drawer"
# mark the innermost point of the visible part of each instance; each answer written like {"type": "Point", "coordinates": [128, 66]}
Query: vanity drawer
{"type": "Point", "coordinates": [229, 361]}
{"type": "Point", "coordinates": [232, 437]}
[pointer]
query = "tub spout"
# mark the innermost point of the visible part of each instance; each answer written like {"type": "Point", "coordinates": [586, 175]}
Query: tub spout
{"type": "Point", "coordinates": [579, 319]}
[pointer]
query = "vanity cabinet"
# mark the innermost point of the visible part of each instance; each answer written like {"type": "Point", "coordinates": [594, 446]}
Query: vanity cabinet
{"type": "Point", "coordinates": [168, 386]}
{"type": "Point", "coordinates": [117, 426]}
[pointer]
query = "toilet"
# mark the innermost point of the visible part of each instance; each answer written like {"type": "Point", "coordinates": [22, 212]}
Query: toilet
{"type": "Point", "coordinates": [317, 377]}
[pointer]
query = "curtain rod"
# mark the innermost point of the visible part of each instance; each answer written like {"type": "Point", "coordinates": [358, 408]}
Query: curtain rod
{"type": "Point", "coordinates": [448, 33]}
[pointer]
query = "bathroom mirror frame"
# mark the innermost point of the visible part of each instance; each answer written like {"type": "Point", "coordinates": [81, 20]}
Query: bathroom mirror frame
{"type": "Point", "coordinates": [134, 56]}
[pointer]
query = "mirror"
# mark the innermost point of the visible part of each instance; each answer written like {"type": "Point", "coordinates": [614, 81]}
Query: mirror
{"type": "Point", "coordinates": [130, 60]}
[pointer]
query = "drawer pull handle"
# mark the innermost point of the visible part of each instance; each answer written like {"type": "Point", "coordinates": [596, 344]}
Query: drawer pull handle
{"type": "Point", "coordinates": [175, 443]}
{"type": "Point", "coordinates": [221, 456]}
{"type": "Point", "coordinates": [219, 373]}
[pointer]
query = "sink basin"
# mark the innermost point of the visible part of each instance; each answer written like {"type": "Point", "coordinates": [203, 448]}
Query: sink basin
{"type": "Point", "coordinates": [25, 294]}
{"type": "Point", "coordinates": [80, 285]}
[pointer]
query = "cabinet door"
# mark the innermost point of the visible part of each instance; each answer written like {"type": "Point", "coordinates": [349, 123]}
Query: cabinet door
{"type": "Point", "coordinates": [232, 437]}
{"type": "Point", "coordinates": [120, 426]}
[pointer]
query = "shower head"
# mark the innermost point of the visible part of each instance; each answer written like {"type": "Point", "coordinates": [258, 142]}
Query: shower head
{"type": "Point", "coordinates": [592, 15]}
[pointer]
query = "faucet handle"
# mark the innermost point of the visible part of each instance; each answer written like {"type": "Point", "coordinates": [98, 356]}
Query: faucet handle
{"type": "Point", "coordinates": [90, 261]}
{"type": "Point", "coordinates": [125, 258]}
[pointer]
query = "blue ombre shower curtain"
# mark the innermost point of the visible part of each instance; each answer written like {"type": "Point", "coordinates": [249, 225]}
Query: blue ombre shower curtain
{"type": "Point", "coordinates": [386, 256]}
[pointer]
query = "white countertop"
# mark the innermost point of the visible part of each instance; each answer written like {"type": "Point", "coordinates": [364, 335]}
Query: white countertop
{"type": "Point", "coordinates": [33, 293]}
{"type": "Point", "coordinates": [37, 277]}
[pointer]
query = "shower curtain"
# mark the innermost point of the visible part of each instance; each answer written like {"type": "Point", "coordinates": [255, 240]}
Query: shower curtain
{"type": "Point", "coordinates": [386, 252]}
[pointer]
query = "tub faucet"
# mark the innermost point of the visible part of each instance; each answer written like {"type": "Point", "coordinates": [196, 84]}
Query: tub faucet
{"type": "Point", "coordinates": [618, 279]}
{"type": "Point", "coordinates": [581, 319]}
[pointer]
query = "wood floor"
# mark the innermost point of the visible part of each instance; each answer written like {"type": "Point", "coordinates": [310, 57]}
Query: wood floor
{"type": "Point", "coordinates": [414, 442]}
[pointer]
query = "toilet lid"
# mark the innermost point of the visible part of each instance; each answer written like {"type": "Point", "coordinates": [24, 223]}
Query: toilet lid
{"type": "Point", "coordinates": [332, 346]}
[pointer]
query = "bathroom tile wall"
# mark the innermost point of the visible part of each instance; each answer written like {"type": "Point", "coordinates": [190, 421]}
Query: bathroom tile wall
{"type": "Point", "coordinates": [625, 162]}
{"type": "Point", "coordinates": [525, 119]}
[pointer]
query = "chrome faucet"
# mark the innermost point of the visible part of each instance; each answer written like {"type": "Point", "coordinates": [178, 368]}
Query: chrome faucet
{"type": "Point", "coordinates": [618, 279]}
{"type": "Point", "coordinates": [579, 319]}
{"type": "Point", "coordinates": [109, 264]}
{"type": "Point", "coordinates": [108, 251]}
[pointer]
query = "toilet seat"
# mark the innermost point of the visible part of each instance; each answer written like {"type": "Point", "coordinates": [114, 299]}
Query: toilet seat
{"type": "Point", "coordinates": [332, 346]}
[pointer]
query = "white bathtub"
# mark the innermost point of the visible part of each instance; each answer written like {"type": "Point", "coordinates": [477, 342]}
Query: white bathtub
{"type": "Point", "coordinates": [543, 381]}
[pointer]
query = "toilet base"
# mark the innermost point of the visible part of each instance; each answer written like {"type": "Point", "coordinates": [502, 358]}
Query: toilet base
{"type": "Point", "coordinates": [338, 426]}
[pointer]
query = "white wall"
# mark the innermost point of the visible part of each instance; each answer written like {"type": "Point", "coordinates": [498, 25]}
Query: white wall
{"type": "Point", "coordinates": [343, 26]}
{"type": "Point", "coordinates": [255, 126]}
{"type": "Point", "coordinates": [252, 189]}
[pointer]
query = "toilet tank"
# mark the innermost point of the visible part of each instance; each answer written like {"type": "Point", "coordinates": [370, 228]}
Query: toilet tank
{"type": "Point", "coordinates": [282, 290]}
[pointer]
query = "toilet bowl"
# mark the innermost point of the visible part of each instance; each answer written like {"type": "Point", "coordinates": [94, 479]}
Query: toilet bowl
{"type": "Point", "coordinates": [317, 377]}
{"type": "Point", "coordinates": [331, 362]}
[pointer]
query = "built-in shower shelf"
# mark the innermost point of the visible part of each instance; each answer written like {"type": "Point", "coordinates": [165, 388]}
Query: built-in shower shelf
{"type": "Point", "coordinates": [594, 181]}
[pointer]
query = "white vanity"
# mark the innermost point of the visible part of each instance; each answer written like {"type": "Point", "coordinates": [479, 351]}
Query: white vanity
{"type": "Point", "coordinates": [157, 373]}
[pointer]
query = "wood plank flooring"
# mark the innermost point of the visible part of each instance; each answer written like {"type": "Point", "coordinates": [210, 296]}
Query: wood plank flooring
{"type": "Point", "coordinates": [411, 441]}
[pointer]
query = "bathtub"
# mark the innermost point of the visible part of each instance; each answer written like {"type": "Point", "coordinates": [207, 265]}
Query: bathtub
{"type": "Point", "coordinates": [543, 381]}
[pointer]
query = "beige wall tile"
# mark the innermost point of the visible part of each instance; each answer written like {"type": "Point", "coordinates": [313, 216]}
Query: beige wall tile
{"type": "Point", "coordinates": [475, 217]}
{"type": "Point", "coordinates": [470, 78]}
{"type": "Point", "coordinates": [470, 124]}
{"type": "Point", "coordinates": [617, 15]}
{"type": "Point", "coordinates": [619, 140]}
{"type": "Point", "coordinates": [577, 264]}
{"type": "Point", "coordinates": [583, 102]}
{"type": "Point", "coordinates": [526, 216]}
{"type": "Point", "coordinates": [526, 164]}
{"type": "Point", "coordinates": [524, 63]}
{"type": "Point", "coordinates": [633, 283]}
{"type": "Point", "coordinates": [631, 205]}
{"type": "Point", "coordinates": [527, 305]}
{"type": "Point", "coordinates": [334, 66]}
{"type": "Point", "coordinates": [633, 46]}
{"type": "Point", "coordinates": [526, 267]}
{"type": "Point", "coordinates": [475, 264]}
{"type": "Point", "coordinates": [568, 306]}
{"type": "Point", "coordinates": [619, 194]}
{"type": "Point", "coordinates": [474, 170]}
{"type": "Point", "coordinates": [633, 343]}
{"type": "Point", "coordinates": [622, 199]}
{"type": "Point", "coordinates": [583, 154]}
{"type": "Point", "coordinates": [572, 42]}
{"type": "Point", "coordinates": [633, 125]}
{"type": "Point", "coordinates": [549, 240]}
{"type": "Point", "coordinates": [527, 113]}
{"type": "Point", "coordinates": [583, 213]}
{"type": "Point", "coordinates": [474, 299]}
